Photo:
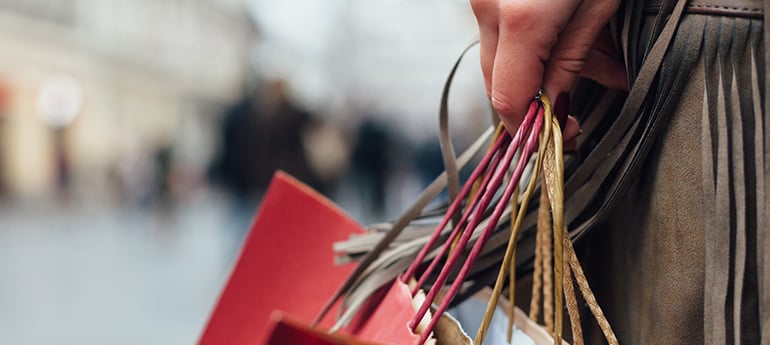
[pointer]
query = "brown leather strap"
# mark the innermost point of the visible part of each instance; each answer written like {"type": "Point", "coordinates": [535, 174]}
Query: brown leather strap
{"type": "Point", "coordinates": [763, 196]}
{"type": "Point", "coordinates": [727, 8]}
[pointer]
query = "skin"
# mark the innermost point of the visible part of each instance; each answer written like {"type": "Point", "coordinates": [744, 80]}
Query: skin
{"type": "Point", "coordinates": [529, 44]}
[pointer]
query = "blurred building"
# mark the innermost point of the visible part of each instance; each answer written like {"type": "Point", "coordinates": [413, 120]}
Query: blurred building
{"type": "Point", "coordinates": [150, 71]}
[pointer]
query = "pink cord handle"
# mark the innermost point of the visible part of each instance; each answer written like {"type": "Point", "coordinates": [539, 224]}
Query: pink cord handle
{"type": "Point", "coordinates": [487, 232]}
{"type": "Point", "coordinates": [463, 193]}
{"type": "Point", "coordinates": [489, 193]}
{"type": "Point", "coordinates": [459, 225]}
{"type": "Point", "coordinates": [452, 208]}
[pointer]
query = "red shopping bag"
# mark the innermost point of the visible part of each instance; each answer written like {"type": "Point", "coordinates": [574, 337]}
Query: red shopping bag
{"type": "Point", "coordinates": [289, 331]}
{"type": "Point", "coordinates": [286, 264]}
{"type": "Point", "coordinates": [382, 321]}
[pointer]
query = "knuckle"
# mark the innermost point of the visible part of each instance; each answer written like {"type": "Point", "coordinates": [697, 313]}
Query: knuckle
{"type": "Point", "coordinates": [606, 10]}
{"type": "Point", "coordinates": [503, 104]}
{"type": "Point", "coordinates": [570, 65]}
{"type": "Point", "coordinates": [571, 59]}
{"type": "Point", "coordinates": [483, 8]}
{"type": "Point", "coordinates": [526, 20]}
{"type": "Point", "coordinates": [518, 14]}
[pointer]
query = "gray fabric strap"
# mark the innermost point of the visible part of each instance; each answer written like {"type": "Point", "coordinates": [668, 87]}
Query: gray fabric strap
{"type": "Point", "coordinates": [739, 181]}
{"type": "Point", "coordinates": [447, 149]}
{"type": "Point", "coordinates": [427, 195]}
{"type": "Point", "coordinates": [717, 229]}
{"type": "Point", "coordinates": [608, 151]}
{"type": "Point", "coordinates": [423, 199]}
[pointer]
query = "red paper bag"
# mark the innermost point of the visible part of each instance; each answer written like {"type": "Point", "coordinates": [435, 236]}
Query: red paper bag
{"type": "Point", "coordinates": [289, 331]}
{"type": "Point", "coordinates": [286, 263]}
{"type": "Point", "coordinates": [385, 316]}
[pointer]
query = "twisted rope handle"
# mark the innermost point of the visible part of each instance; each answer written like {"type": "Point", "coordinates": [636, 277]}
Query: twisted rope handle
{"type": "Point", "coordinates": [543, 222]}
{"type": "Point", "coordinates": [553, 175]}
{"type": "Point", "coordinates": [553, 243]}
{"type": "Point", "coordinates": [588, 295]}
{"type": "Point", "coordinates": [572, 304]}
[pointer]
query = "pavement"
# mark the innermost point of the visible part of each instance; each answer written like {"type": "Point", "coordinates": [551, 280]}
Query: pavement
{"type": "Point", "coordinates": [100, 274]}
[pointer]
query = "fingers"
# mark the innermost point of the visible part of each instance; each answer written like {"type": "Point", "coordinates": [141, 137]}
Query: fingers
{"type": "Point", "coordinates": [516, 78]}
{"type": "Point", "coordinates": [604, 63]}
{"type": "Point", "coordinates": [568, 56]}
{"type": "Point", "coordinates": [529, 44]}
{"type": "Point", "coordinates": [486, 12]}
{"type": "Point", "coordinates": [527, 31]}
{"type": "Point", "coordinates": [605, 70]}
{"type": "Point", "coordinates": [570, 132]}
{"type": "Point", "coordinates": [571, 129]}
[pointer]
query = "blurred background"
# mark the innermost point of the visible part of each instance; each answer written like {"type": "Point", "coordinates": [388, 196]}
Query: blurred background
{"type": "Point", "coordinates": [137, 137]}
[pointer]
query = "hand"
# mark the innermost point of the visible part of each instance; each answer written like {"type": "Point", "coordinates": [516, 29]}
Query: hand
{"type": "Point", "coordinates": [529, 44]}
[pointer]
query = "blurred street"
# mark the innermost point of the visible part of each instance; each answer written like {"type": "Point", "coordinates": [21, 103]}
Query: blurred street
{"type": "Point", "coordinates": [89, 274]}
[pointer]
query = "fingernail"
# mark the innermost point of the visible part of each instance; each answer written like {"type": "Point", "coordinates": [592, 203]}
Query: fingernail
{"type": "Point", "coordinates": [561, 109]}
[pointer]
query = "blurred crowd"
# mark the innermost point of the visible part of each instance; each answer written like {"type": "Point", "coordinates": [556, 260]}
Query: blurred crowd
{"type": "Point", "coordinates": [365, 166]}
{"type": "Point", "coordinates": [101, 124]}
